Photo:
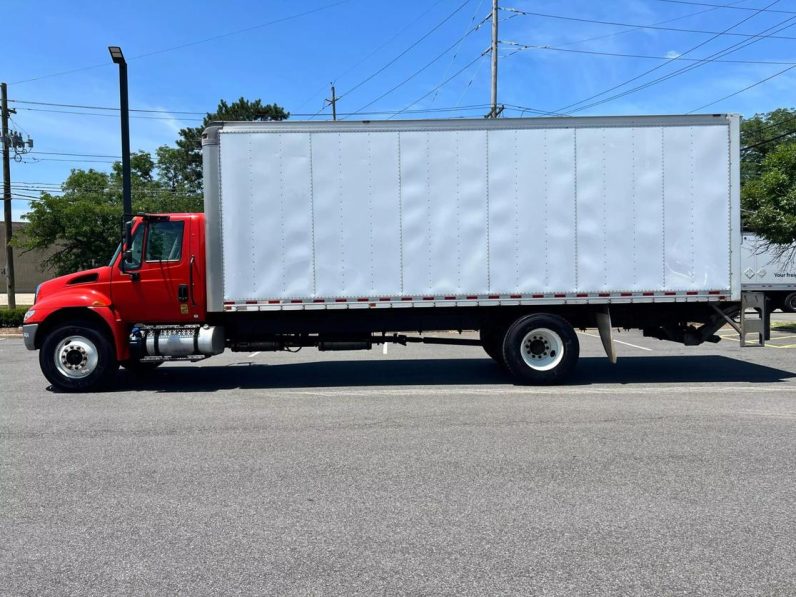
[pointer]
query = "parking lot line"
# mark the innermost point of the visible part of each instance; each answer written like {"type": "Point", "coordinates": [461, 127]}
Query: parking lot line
{"type": "Point", "coordinates": [618, 341]}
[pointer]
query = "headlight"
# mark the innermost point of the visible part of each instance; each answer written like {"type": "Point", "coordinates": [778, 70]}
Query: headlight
{"type": "Point", "coordinates": [28, 314]}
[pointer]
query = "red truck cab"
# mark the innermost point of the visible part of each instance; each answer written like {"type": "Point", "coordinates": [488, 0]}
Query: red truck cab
{"type": "Point", "coordinates": [82, 322]}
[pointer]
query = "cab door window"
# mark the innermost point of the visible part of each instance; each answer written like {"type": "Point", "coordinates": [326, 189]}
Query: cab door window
{"type": "Point", "coordinates": [164, 241]}
{"type": "Point", "coordinates": [133, 260]}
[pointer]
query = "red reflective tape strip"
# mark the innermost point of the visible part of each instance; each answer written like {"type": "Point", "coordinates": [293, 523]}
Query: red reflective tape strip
{"type": "Point", "coordinates": [385, 298]}
{"type": "Point", "coordinates": [538, 296]}
{"type": "Point", "coordinates": [472, 297]}
{"type": "Point", "coordinates": [494, 296]}
{"type": "Point", "coordinates": [295, 300]}
{"type": "Point", "coordinates": [515, 296]}
{"type": "Point", "coordinates": [406, 298]}
{"type": "Point", "coordinates": [340, 300]}
{"type": "Point", "coordinates": [582, 294]}
{"type": "Point", "coordinates": [559, 295]}
{"type": "Point", "coordinates": [691, 292]}
{"type": "Point", "coordinates": [450, 298]}
{"type": "Point", "coordinates": [714, 291]}
{"type": "Point", "coordinates": [318, 301]}
{"type": "Point", "coordinates": [251, 302]}
{"type": "Point", "coordinates": [428, 298]}
{"type": "Point", "coordinates": [362, 300]}
{"type": "Point", "coordinates": [605, 294]}
{"type": "Point", "coordinates": [647, 293]}
{"type": "Point", "coordinates": [273, 302]}
{"type": "Point", "coordinates": [625, 294]}
{"type": "Point", "coordinates": [669, 293]}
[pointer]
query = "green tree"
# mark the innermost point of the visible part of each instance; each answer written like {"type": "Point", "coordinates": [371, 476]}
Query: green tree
{"type": "Point", "coordinates": [770, 198]}
{"type": "Point", "coordinates": [84, 222]}
{"type": "Point", "coordinates": [768, 176]}
{"type": "Point", "coordinates": [185, 162]}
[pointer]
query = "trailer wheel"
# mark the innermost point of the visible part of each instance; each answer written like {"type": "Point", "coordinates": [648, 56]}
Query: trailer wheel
{"type": "Point", "coordinates": [77, 357]}
{"type": "Point", "coordinates": [492, 341]}
{"type": "Point", "coordinates": [540, 349]}
{"type": "Point", "coordinates": [789, 303]}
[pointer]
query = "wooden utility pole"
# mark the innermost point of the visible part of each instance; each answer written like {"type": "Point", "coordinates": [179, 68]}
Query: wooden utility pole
{"type": "Point", "coordinates": [493, 112]}
{"type": "Point", "coordinates": [12, 299]}
{"type": "Point", "coordinates": [333, 103]}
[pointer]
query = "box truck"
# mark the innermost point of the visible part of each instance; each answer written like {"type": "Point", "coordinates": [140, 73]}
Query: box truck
{"type": "Point", "coordinates": [342, 235]}
{"type": "Point", "coordinates": [769, 269]}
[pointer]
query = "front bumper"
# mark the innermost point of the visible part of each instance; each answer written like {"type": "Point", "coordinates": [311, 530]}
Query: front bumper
{"type": "Point", "coordinates": [29, 335]}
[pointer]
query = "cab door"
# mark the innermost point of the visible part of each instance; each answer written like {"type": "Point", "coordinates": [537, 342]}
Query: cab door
{"type": "Point", "coordinates": [155, 286]}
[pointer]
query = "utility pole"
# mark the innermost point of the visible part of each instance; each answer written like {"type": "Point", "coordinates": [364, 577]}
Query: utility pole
{"type": "Point", "coordinates": [333, 103]}
{"type": "Point", "coordinates": [12, 299]}
{"type": "Point", "coordinates": [493, 112]}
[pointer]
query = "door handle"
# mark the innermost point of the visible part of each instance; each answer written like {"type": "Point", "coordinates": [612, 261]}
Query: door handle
{"type": "Point", "coordinates": [182, 293]}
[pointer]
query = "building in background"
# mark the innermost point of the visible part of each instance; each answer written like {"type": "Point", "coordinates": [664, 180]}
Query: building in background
{"type": "Point", "coordinates": [28, 269]}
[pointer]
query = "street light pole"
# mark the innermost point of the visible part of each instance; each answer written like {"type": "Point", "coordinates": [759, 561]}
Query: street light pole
{"type": "Point", "coordinates": [127, 201]}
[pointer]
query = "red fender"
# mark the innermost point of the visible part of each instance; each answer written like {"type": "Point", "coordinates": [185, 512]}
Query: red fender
{"type": "Point", "coordinates": [84, 298]}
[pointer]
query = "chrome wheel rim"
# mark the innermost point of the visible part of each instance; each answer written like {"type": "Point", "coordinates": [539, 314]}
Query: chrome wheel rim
{"type": "Point", "coordinates": [76, 357]}
{"type": "Point", "coordinates": [542, 349]}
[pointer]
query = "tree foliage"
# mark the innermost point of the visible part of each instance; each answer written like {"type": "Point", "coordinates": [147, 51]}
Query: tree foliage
{"type": "Point", "coordinates": [84, 221]}
{"type": "Point", "coordinates": [768, 176]}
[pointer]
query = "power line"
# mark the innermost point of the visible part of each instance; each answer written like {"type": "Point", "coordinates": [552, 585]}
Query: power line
{"type": "Point", "coordinates": [637, 26]}
{"type": "Point", "coordinates": [777, 74]}
{"type": "Point", "coordinates": [192, 43]}
{"type": "Point", "coordinates": [731, 6]}
{"type": "Point", "coordinates": [423, 68]}
{"type": "Point", "coordinates": [766, 141]}
{"type": "Point", "coordinates": [440, 109]}
{"type": "Point", "coordinates": [411, 46]}
{"type": "Point", "coordinates": [732, 48]}
{"type": "Point", "coordinates": [456, 50]}
{"type": "Point", "coordinates": [375, 50]}
{"type": "Point", "coordinates": [34, 160]}
{"type": "Point", "coordinates": [445, 82]}
{"type": "Point", "coordinates": [79, 155]}
{"type": "Point", "coordinates": [630, 30]}
{"type": "Point", "coordinates": [521, 47]}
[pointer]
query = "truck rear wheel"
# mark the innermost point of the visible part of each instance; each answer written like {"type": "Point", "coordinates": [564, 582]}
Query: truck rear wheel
{"type": "Point", "coordinates": [540, 349]}
{"type": "Point", "coordinates": [789, 303]}
{"type": "Point", "coordinates": [492, 341]}
{"type": "Point", "coordinates": [77, 357]}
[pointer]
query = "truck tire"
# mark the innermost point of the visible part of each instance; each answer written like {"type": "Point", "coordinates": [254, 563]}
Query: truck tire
{"type": "Point", "coordinates": [540, 349]}
{"type": "Point", "coordinates": [789, 303]}
{"type": "Point", "coordinates": [492, 341]}
{"type": "Point", "coordinates": [78, 357]}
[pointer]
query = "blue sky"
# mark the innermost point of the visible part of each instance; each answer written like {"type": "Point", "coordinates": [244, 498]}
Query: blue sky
{"type": "Point", "coordinates": [185, 56]}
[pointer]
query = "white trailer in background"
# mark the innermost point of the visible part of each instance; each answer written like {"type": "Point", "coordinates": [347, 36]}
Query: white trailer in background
{"type": "Point", "coordinates": [769, 269]}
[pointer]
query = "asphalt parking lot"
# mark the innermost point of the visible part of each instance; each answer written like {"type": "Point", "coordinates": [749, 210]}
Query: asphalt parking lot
{"type": "Point", "coordinates": [420, 471]}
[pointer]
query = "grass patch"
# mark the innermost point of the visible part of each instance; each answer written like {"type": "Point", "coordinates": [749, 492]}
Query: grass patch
{"type": "Point", "coordinates": [12, 318]}
{"type": "Point", "coordinates": [784, 326]}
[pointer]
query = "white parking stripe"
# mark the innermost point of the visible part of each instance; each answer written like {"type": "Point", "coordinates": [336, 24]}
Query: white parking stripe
{"type": "Point", "coordinates": [618, 342]}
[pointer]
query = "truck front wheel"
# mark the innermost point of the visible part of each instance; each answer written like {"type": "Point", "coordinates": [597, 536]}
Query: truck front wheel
{"type": "Point", "coordinates": [540, 349]}
{"type": "Point", "coordinates": [77, 357]}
